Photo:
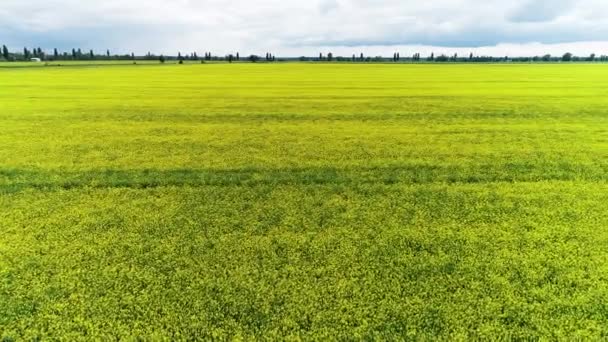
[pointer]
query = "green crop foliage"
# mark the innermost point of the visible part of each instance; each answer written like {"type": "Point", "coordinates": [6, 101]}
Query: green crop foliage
{"type": "Point", "coordinates": [303, 202]}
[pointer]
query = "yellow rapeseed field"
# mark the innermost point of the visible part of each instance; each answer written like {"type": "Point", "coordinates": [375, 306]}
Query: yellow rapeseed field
{"type": "Point", "coordinates": [304, 201]}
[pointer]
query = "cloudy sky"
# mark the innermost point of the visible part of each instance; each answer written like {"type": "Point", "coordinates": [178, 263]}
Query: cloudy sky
{"type": "Point", "coordinates": [307, 27]}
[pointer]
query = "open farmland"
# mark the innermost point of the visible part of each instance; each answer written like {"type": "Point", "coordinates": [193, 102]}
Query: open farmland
{"type": "Point", "coordinates": [304, 201]}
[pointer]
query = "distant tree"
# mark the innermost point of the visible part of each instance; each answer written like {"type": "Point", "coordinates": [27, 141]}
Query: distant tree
{"type": "Point", "coordinates": [471, 56]}
{"type": "Point", "coordinates": [5, 52]}
{"type": "Point", "coordinates": [591, 58]}
{"type": "Point", "coordinates": [330, 57]}
{"type": "Point", "coordinates": [91, 54]}
{"type": "Point", "coordinates": [238, 57]}
{"type": "Point", "coordinates": [55, 53]}
{"type": "Point", "coordinates": [362, 57]}
{"type": "Point", "coordinates": [132, 55]}
{"type": "Point", "coordinates": [180, 58]}
{"type": "Point", "coordinates": [79, 54]}
{"type": "Point", "coordinates": [432, 57]}
{"type": "Point", "coordinates": [26, 53]}
{"type": "Point", "coordinates": [354, 58]}
{"type": "Point", "coordinates": [254, 58]}
{"type": "Point", "coordinates": [546, 58]}
{"type": "Point", "coordinates": [567, 57]}
{"type": "Point", "coordinates": [74, 54]}
{"type": "Point", "coordinates": [320, 56]}
{"type": "Point", "coordinates": [230, 58]}
{"type": "Point", "coordinates": [161, 59]}
{"type": "Point", "coordinates": [442, 58]}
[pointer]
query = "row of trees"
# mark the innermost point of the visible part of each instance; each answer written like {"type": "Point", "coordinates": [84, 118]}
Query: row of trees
{"type": "Point", "coordinates": [417, 57]}
{"type": "Point", "coordinates": [193, 56]}
{"type": "Point", "coordinates": [77, 54]}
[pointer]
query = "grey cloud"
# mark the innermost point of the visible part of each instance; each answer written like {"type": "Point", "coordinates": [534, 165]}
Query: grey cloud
{"type": "Point", "coordinates": [326, 6]}
{"type": "Point", "coordinates": [541, 10]}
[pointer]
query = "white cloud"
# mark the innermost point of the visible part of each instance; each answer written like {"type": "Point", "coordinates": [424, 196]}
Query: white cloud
{"type": "Point", "coordinates": [307, 26]}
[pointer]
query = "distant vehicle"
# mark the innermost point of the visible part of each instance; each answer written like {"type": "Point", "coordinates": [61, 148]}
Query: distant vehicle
{"type": "Point", "coordinates": [37, 60]}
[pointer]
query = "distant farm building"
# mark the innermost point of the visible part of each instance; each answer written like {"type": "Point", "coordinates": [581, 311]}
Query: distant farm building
{"type": "Point", "coordinates": [37, 60]}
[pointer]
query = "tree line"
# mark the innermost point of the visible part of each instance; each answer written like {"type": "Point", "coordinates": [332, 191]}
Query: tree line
{"type": "Point", "coordinates": [417, 57]}
{"type": "Point", "coordinates": [75, 54]}
{"type": "Point", "coordinates": [78, 54]}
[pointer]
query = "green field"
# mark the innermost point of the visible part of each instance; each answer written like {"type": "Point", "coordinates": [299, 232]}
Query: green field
{"type": "Point", "coordinates": [300, 201]}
